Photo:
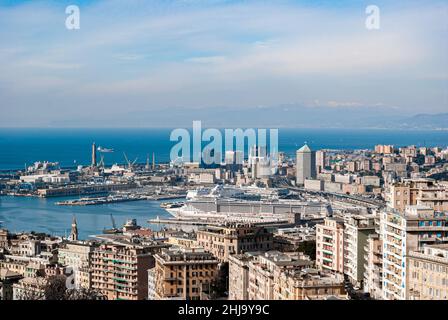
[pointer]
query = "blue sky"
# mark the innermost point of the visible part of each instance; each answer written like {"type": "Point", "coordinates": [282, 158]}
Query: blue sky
{"type": "Point", "coordinates": [136, 57]}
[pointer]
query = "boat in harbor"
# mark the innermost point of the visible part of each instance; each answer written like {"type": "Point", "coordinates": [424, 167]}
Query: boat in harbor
{"type": "Point", "coordinates": [171, 205]}
{"type": "Point", "coordinates": [114, 229]}
{"type": "Point", "coordinates": [105, 150]}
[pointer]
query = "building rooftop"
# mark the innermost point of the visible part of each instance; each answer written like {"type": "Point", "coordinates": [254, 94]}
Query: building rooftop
{"type": "Point", "coordinates": [304, 149]}
{"type": "Point", "coordinates": [176, 253]}
{"type": "Point", "coordinates": [6, 273]}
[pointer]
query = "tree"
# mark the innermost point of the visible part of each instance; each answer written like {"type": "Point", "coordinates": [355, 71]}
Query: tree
{"type": "Point", "coordinates": [309, 248]}
{"type": "Point", "coordinates": [56, 289]}
{"type": "Point", "coordinates": [84, 294]}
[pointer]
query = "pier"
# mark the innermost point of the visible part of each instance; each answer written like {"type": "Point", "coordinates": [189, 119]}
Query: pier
{"type": "Point", "coordinates": [116, 199]}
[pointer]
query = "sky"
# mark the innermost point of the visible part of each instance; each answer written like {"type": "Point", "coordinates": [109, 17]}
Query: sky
{"type": "Point", "coordinates": [133, 60]}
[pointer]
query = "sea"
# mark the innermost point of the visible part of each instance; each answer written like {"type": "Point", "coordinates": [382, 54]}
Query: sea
{"type": "Point", "coordinates": [72, 147]}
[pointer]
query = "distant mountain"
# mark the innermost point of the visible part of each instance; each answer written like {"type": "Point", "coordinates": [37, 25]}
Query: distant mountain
{"type": "Point", "coordinates": [282, 116]}
{"type": "Point", "coordinates": [426, 121]}
{"type": "Point", "coordinates": [293, 116]}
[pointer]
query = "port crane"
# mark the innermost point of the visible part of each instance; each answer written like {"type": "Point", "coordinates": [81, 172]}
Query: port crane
{"type": "Point", "coordinates": [101, 164]}
{"type": "Point", "coordinates": [130, 164]}
{"type": "Point", "coordinates": [114, 226]}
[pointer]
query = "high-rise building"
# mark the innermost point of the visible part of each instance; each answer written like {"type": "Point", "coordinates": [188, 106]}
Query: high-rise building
{"type": "Point", "coordinates": [373, 266]}
{"type": "Point", "coordinates": [402, 233]}
{"type": "Point", "coordinates": [120, 271]}
{"type": "Point", "coordinates": [320, 161]}
{"type": "Point", "coordinates": [357, 229]}
{"type": "Point", "coordinates": [305, 165]}
{"type": "Point", "coordinates": [259, 162]}
{"type": "Point", "coordinates": [330, 245]}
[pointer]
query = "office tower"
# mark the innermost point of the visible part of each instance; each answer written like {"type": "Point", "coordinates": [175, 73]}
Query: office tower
{"type": "Point", "coordinates": [259, 162]}
{"type": "Point", "coordinates": [305, 165]}
{"type": "Point", "coordinates": [320, 161]}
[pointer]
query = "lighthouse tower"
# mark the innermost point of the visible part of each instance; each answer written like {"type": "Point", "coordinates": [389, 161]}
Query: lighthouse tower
{"type": "Point", "coordinates": [94, 155]}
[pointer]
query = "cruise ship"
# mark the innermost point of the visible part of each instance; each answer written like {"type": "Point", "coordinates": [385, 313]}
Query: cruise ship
{"type": "Point", "coordinates": [225, 202]}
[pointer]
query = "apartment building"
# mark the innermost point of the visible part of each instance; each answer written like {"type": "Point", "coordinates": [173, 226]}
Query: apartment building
{"type": "Point", "coordinates": [256, 275]}
{"type": "Point", "coordinates": [428, 273]}
{"type": "Point", "coordinates": [265, 270]}
{"type": "Point", "coordinates": [234, 238]}
{"type": "Point", "coordinates": [77, 256]}
{"type": "Point", "coordinates": [7, 280]}
{"type": "Point", "coordinates": [309, 284]}
{"type": "Point", "coordinates": [423, 192]}
{"type": "Point", "coordinates": [373, 266]}
{"type": "Point", "coordinates": [239, 275]}
{"type": "Point", "coordinates": [291, 239]}
{"type": "Point", "coordinates": [120, 271]}
{"type": "Point", "coordinates": [29, 289]}
{"type": "Point", "coordinates": [4, 242]}
{"type": "Point", "coordinates": [402, 233]}
{"type": "Point", "coordinates": [384, 149]}
{"type": "Point", "coordinates": [330, 245]}
{"type": "Point", "coordinates": [182, 273]}
{"type": "Point", "coordinates": [357, 229]}
{"type": "Point", "coordinates": [14, 266]}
